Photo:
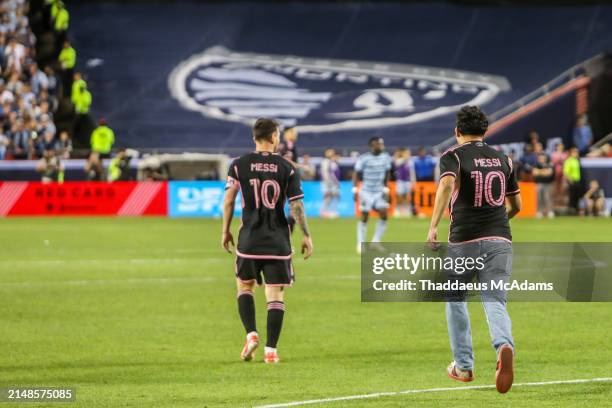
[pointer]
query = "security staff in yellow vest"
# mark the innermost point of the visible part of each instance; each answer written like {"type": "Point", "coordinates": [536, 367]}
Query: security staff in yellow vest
{"type": "Point", "coordinates": [77, 83]}
{"type": "Point", "coordinates": [61, 20]}
{"type": "Point", "coordinates": [67, 61]}
{"type": "Point", "coordinates": [81, 99]}
{"type": "Point", "coordinates": [102, 139]}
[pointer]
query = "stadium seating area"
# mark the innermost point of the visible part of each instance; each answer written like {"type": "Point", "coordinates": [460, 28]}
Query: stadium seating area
{"type": "Point", "coordinates": [28, 91]}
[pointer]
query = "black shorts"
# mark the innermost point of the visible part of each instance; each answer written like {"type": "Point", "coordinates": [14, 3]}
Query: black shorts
{"type": "Point", "coordinates": [276, 272]}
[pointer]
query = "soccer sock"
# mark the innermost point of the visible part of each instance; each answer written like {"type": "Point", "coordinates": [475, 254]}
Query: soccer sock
{"type": "Point", "coordinates": [333, 204]}
{"type": "Point", "coordinates": [276, 311]}
{"type": "Point", "coordinates": [362, 228]}
{"type": "Point", "coordinates": [381, 226]}
{"type": "Point", "coordinates": [246, 308]}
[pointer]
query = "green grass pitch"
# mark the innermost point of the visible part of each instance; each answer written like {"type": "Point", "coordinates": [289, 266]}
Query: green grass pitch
{"type": "Point", "coordinates": [142, 313]}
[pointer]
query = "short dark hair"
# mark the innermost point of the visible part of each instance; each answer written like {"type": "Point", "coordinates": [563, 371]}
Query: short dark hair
{"type": "Point", "coordinates": [263, 129]}
{"type": "Point", "coordinates": [472, 121]}
{"type": "Point", "coordinates": [374, 139]}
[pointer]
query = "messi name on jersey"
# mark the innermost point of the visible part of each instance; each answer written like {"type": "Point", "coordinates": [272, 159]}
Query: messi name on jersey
{"type": "Point", "coordinates": [324, 95]}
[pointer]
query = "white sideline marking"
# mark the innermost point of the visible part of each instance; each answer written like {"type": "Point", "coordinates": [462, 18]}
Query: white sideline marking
{"type": "Point", "coordinates": [392, 393]}
{"type": "Point", "coordinates": [7, 285]}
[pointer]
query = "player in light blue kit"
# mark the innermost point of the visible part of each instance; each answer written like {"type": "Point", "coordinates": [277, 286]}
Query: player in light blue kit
{"type": "Point", "coordinates": [373, 170]}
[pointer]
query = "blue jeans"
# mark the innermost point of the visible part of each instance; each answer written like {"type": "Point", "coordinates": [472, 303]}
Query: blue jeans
{"type": "Point", "coordinates": [497, 259]}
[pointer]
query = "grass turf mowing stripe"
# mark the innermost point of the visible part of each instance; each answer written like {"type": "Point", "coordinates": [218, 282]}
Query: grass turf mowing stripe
{"type": "Point", "coordinates": [394, 393]}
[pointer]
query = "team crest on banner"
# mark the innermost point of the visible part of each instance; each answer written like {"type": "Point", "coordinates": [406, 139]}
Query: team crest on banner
{"type": "Point", "coordinates": [324, 95]}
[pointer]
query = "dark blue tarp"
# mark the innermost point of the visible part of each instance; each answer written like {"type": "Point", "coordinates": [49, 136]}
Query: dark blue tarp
{"type": "Point", "coordinates": [140, 45]}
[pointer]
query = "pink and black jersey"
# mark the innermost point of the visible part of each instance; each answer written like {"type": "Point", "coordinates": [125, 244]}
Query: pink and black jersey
{"type": "Point", "coordinates": [266, 181]}
{"type": "Point", "coordinates": [484, 178]}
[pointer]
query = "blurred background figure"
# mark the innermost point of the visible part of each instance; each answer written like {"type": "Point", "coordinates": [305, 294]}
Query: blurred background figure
{"type": "Point", "coordinates": [119, 167]}
{"type": "Point", "coordinates": [67, 61]}
{"type": "Point", "coordinates": [102, 139]}
{"type": "Point", "coordinates": [330, 178]}
{"type": "Point", "coordinates": [405, 176]}
{"type": "Point", "coordinates": [306, 169]}
{"type": "Point", "coordinates": [288, 146]}
{"type": "Point", "coordinates": [595, 199]}
{"type": "Point", "coordinates": [64, 145]}
{"type": "Point", "coordinates": [544, 175]}
{"type": "Point", "coordinates": [424, 166]}
{"type": "Point", "coordinates": [50, 167]}
{"type": "Point", "coordinates": [94, 168]}
{"type": "Point", "coordinates": [557, 158]}
{"type": "Point", "coordinates": [583, 135]}
{"type": "Point", "coordinates": [572, 173]}
{"type": "Point", "coordinates": [81, 99]}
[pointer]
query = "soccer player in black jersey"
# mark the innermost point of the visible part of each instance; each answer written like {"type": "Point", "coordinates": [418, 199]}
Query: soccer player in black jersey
{"type": "Point", "coordinates": [267, 181]}
{"type": "Point", "coordinates": [480, 185]}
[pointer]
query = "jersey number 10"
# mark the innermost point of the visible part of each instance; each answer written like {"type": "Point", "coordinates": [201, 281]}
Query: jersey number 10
{"type": "Point", "coordinates": [263, 191]}
{"type": "Point", "coordinates": [486, 187]}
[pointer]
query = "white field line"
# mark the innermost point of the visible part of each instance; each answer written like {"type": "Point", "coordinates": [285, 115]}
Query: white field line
{"type": "Point", "coordinates": [163, 280]}
{"type": "Point", "coordinates": [394, 393]}
{"type": "Point", "coordinates": [55, 262]}
{"type": "Point", "coordinates": [84, 282]}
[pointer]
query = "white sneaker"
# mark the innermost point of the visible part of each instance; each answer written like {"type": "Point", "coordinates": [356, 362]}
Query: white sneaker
{"type": "Point", "coordinates": [359, 248]}
{"type": "Point", "coordinates": [551, 214]}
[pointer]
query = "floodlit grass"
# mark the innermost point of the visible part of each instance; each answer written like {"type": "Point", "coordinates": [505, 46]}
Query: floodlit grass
{"type": "Point", "coordinates": [142, 313]}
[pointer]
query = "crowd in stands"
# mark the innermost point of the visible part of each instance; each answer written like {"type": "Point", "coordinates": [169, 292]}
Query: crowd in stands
{"type": "Point", "coordinates": [44, 101]}
{"type": "Point", "coordinates": [558, 173]}
{"type": "Point", "coordinates": [28, 92]}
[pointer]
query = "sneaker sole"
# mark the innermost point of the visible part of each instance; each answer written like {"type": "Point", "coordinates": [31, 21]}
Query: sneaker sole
{"type": "Point", "coordinates": [505, 375]}
{"type": "Point", "coordinates": [250, 353]}
{"type": "Point", "coordinates": [467, 379]}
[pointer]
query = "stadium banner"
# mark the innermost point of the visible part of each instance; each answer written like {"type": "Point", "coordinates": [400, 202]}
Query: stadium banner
{"type": "Point", "coordinates": [127, 198]}
{"type": "Point", "coordinates": [198, 199]}
{"type": "Point", "coordinates": [424, 195]}
{"type": "Point", "coordinates": [205, 199]}
{"type": "Point", "coordinates": [487, 270]}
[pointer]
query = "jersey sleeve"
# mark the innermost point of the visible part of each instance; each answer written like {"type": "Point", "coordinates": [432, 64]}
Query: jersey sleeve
{"type": "Point", "coordinates": [232, 177]}
{"type": "Point", "coordinates": [294, 188]}
{"type": "Point", "coordinates": [389, 164]}
{"type": "Point", "coordinates": [449, 165]}
{"type": "Point", "coordinates": [359, 165]}
{"type": "Point", "coordinates": [512, 185]}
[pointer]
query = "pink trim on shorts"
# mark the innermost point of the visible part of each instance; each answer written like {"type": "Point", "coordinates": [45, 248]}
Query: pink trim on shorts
{"type": "Point", "coordinates": [252, 256]}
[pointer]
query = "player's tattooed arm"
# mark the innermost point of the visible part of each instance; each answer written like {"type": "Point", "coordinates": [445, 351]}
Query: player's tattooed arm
{"type": "Point", "coordinates": [228, 214]}
{"type": "Point", "coordinates": [297, 210]}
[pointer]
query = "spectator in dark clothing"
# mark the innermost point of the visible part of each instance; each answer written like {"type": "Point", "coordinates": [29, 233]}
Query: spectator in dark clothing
{"type": "Point", "coordinates": [595, 199]}
{"type": "Point", "coordinates": [544, 175]}
{"type": "Point", "coordinates": [94, 168]}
